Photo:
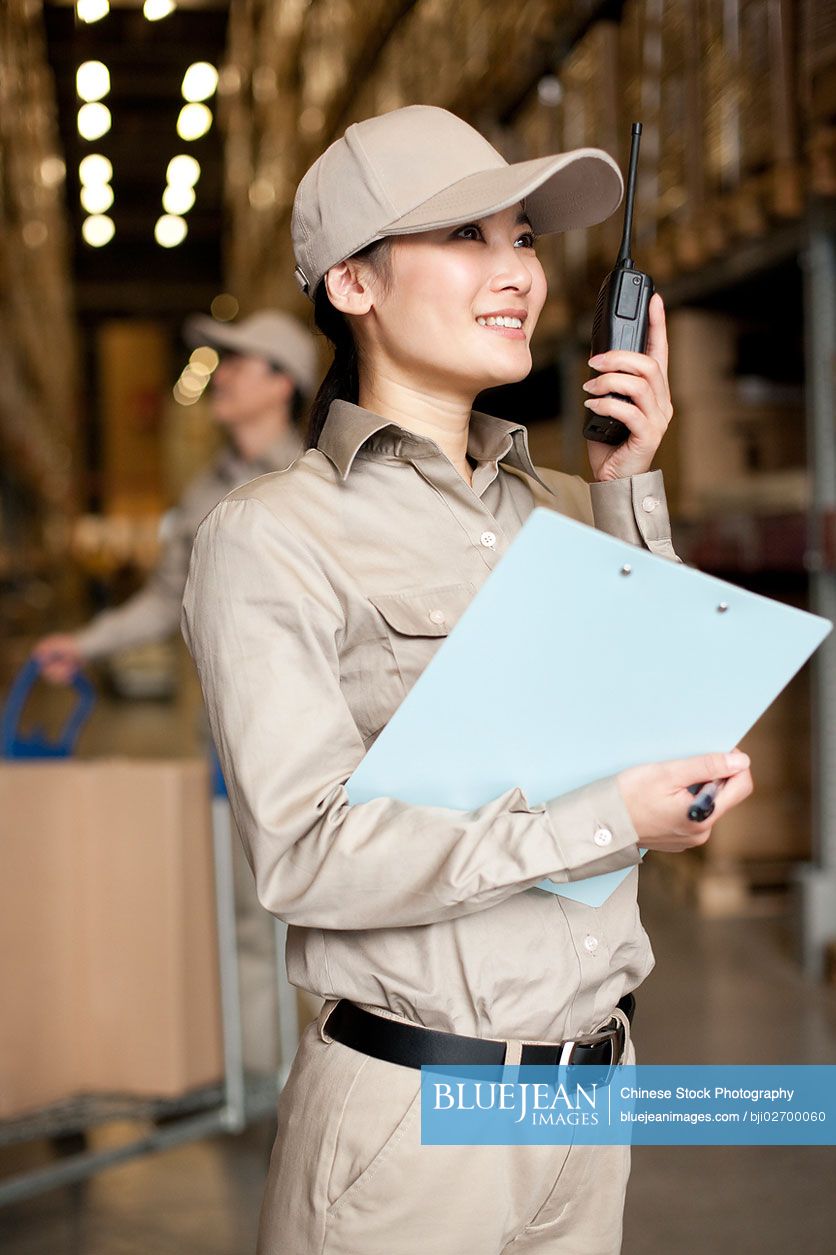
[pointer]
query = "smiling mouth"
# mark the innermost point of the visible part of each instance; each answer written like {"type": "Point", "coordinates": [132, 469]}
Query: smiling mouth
{"type": "Point", "coordinates": [501, 328]}
{"type": "Point", "coordinates": [500, 320]}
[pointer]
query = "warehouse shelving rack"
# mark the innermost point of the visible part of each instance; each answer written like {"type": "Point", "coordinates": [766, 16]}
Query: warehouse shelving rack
{"type": "Point", "coordinates": [741, 543]}
{"type": "Point", "coordinates": [811, 241]}
{"type": "Point", "coordinates": [818, 880]}
{"type": "Point", "coordinates": [229, 1107]}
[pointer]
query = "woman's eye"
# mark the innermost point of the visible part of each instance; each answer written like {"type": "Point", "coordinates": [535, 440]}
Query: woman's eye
{"type": "Point", "coordinates": [527, 240]}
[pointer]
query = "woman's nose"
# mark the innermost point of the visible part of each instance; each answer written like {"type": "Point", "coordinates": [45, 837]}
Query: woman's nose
{"type": "Point", "coordinates": [512, 271]}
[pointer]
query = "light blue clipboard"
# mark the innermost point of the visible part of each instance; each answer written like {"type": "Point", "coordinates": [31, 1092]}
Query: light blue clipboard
{"type": "Point", "coordinates": [565, 669]}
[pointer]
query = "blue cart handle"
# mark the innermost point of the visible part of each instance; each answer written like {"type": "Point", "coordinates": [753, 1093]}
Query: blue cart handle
{"type": "Point", "coordinates": [218, 783]}
{"type": "Point", "coordinates": [35, 744]}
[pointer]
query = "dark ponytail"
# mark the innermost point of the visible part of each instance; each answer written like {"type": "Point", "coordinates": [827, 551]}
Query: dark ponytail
{"type": "Point", "coordinates": [342, 378]}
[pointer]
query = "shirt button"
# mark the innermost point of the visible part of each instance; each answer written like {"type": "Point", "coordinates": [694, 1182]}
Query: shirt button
{"type": "Point", "coordinates": [488, 539]}
{"type": "Point", "coordinates": [602, 836]}
{"type": "Point", "coordinates": [590, 943]}
{"type": "Point", "coordinates": [437, 616]}
{"type": "Point", "coordinates": [649, 504]}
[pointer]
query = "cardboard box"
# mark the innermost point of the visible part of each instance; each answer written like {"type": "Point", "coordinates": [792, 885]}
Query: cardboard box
{"type": "Point", "coordinates": [780, 742]}
{"type": "Point", "coordinates": [736, 441]}
{"type": "Point", "coordinates": [39, 974]}
{"type": "Point", "coordinates": [108, 943]}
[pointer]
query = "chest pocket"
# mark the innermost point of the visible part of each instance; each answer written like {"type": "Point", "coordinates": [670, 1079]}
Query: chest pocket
{"type": "Point", "coordinates": [417, 622]}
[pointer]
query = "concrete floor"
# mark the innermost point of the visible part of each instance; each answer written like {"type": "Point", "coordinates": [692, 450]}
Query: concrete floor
{"type": "Point", "coordinates": [725, 991]}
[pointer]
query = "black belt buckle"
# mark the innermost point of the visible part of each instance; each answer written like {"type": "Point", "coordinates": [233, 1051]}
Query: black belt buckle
{"type": "Point", "coordinates": [617, 1043]}
{"type": "Point", "coordinates": [563, 1054]}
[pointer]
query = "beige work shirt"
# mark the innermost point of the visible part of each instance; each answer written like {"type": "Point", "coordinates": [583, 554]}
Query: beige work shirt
{"type": "Point", "coordinates": [153, 613]}
{"type": "Point", "coordinates": [315, 599]}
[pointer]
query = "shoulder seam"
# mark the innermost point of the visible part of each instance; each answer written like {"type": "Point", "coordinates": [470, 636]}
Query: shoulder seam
{"type": "Point", "coordinates": [280, 523]}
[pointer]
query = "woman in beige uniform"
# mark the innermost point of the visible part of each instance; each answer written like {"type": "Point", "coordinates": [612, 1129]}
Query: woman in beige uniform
{"type": "Point", "coordinates": [316, 597]}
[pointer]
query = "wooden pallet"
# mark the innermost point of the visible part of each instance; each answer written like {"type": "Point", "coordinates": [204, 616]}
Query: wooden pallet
{"type": "Point", "coordinates": [719, 890]}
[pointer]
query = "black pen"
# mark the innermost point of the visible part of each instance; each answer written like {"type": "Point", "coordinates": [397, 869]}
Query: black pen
{"type": "Point", "coordinates": [702, 807]}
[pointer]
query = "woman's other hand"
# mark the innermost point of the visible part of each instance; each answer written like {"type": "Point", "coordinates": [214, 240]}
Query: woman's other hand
{"type": "Point", "coordinates": [657, 797]}
{"type": "Point", "coordinates": [644, 378]}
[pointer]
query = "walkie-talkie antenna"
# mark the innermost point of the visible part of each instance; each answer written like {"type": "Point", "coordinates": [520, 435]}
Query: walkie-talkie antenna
{"type": "Point", "coordinates": [624, 258]}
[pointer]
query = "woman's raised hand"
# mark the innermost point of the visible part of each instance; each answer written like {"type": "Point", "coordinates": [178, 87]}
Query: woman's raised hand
{"type": "Point", "coordinates": [657, 797]}
{"type": "Point", "coordinates": [643, 377]}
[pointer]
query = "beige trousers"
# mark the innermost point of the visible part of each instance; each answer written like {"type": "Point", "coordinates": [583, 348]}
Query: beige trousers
{"type": "Point", "coordinates": [348, 1174]}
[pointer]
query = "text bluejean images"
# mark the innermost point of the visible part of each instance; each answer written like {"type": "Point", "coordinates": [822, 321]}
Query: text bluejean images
{"type": "Point", "coordinates": [641, 1105]}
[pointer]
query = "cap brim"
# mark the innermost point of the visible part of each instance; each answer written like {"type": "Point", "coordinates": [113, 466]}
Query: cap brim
{"type": "Point", "coordinates": [201, 329]}
{"type": "Point", "coordinates": [569, 190]}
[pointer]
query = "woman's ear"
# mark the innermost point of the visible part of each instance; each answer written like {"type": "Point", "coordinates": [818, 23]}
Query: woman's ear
{"type": "Point", "coordinates": [349, 287]}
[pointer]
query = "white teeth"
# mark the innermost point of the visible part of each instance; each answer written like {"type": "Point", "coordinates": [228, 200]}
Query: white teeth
{"type": "Point", "coordinates": [501, 321]}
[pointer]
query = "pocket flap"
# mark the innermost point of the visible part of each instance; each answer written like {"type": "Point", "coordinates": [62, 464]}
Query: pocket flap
{"type": "Point", "coordinates": [428, 612]}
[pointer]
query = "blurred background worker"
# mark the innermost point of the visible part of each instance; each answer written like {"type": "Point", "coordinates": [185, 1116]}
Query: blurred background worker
{"type": "Point", "coordinates": [266, 374]}
{"type": "Point", "coordinates": [260, 388]}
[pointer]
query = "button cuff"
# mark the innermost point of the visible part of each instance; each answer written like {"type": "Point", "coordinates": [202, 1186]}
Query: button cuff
{"type": "Point", "coordinates": [575, 817]}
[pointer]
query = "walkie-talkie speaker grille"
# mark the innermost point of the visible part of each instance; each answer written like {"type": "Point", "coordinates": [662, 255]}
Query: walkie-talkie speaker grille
{"type": "Point", "coordinates": [598, 317]}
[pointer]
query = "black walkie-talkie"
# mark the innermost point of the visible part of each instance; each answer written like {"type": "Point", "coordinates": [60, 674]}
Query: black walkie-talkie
{"type": "Point", "coordinates": [621, 311]}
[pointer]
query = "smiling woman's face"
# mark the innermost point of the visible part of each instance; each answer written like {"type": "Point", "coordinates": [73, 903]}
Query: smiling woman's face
{"type": "Point", "coordinates": [432, 326]}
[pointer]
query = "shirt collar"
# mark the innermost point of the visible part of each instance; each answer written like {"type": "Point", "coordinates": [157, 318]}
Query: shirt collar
{"type": "Point", "coordinates": [348, 426]}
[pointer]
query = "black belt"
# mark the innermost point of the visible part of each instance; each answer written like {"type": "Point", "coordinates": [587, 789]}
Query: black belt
{"type": "Point", "coordinates": [413, 1045]}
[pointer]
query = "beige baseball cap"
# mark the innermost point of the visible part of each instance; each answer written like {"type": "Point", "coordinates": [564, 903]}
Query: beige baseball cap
{"type": "Point", "coordinates": [269, 333]}
{"type": "Point", "coordinates": [422, 167]}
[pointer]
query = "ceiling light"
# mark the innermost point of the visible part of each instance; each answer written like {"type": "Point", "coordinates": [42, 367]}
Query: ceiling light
{"type": "Point", "coordinates": [53, 171]}
{"type": "Point", "coordinates": [194, 121]}
{"type": "Point", "coordinates": [183, 171]}
{"type": "Point", "coordinates": [35, 233]}
{"type": "Point", "coordinates": [95, 169]}
{"type": "Point", "coordinates": [92, 80]}
{"type": "Point", "coordinates": [96, 199]}
{"type": "Point", "coordinates": [92, 10]}
{"type": "Point", "coordinates": [261, 193]}
{"type": "Point", "coordinates": [191, 383]}
{"type": "Point", "coordinates": [170, 231]}
{"type": "Point", "coordinates": [178, 199]}
{"type": "Point", "coordinates": [224, 307]}
{"type": "Point", "coordinates": [98, 230]}
{"type": "Point", "coordinates": [200, 81]}
{"type": "Point", "coordinates": [155, 10]}
{"type": "Point", "coordinates": [205, 356]}
{"type": "Point", "coordinates": [550, 90]}
{"type": "Point", "coordinates": [184, 398]}
{"type": "Point", "coordinates": [229, 81]}
{"type": "Point", "coordinates": [311, 120]}
{"type": "Point", "coordinates": [93, 121]}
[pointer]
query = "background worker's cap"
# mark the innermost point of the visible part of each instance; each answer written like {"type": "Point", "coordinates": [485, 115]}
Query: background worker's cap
{"type": "Point", "coordinates": [420, 168]}
{"type": "Point", "coordinates": [278, 337]}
